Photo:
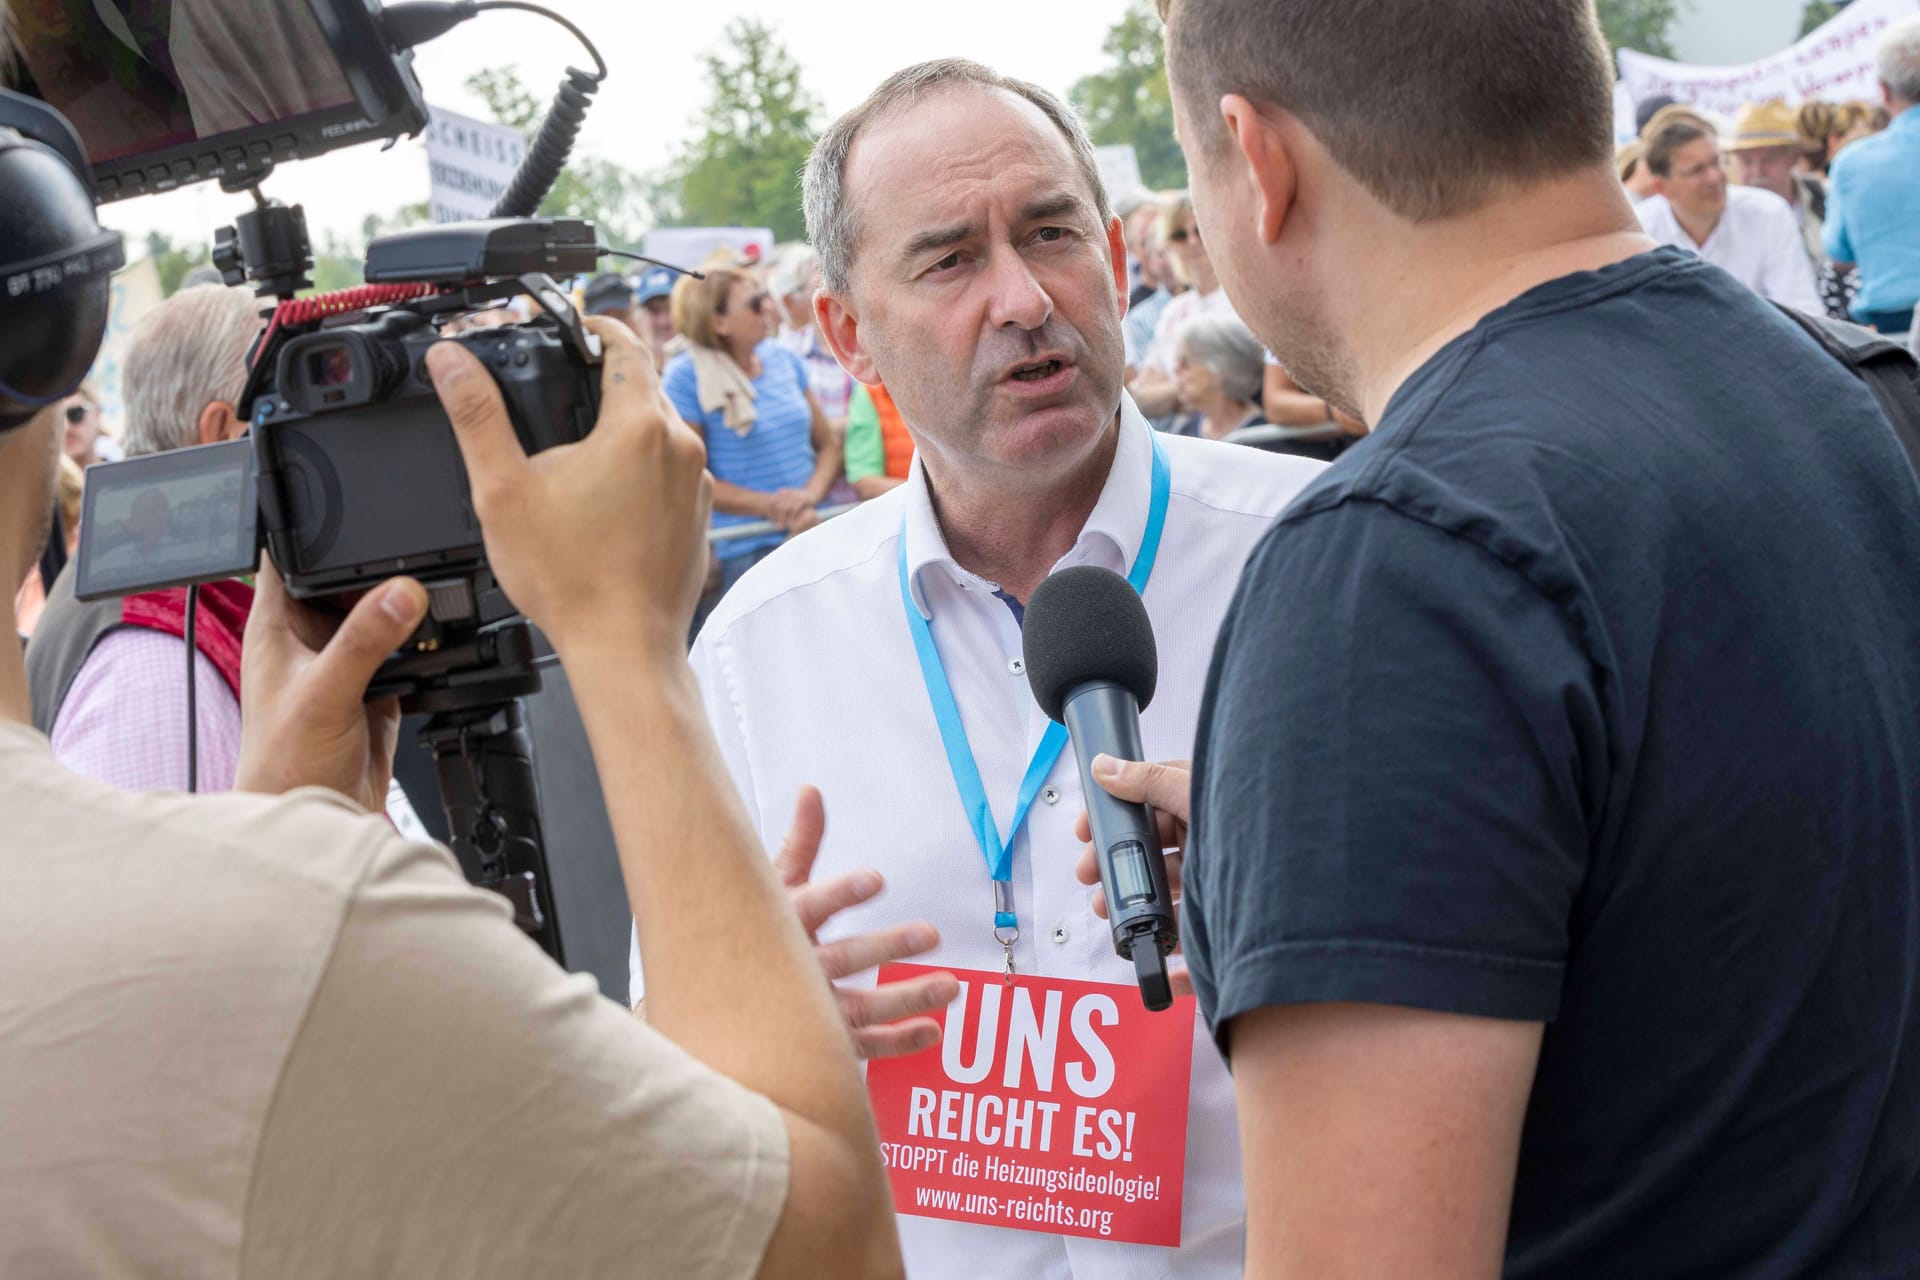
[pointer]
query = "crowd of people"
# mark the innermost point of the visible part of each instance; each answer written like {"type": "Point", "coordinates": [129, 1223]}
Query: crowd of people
{"type": "Point", "coordinates": [1533, 737]}
{"type": "Point", "coordinates": [1816, 208]}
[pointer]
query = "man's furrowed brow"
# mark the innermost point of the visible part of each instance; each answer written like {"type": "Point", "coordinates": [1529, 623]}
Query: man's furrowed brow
{"type": "Point", "coordinates": [1066, 204]}
{"type": "Point", "coordinates": [939, 238]}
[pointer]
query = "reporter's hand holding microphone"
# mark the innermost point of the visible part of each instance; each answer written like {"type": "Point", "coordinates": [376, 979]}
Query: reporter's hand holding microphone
{"type": "Point", "coordinates": [1166, 788]}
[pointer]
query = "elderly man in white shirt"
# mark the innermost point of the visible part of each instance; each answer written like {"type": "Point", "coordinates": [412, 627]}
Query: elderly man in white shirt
{"type": "Point", "coordinates": [1749, 233]}
{"type": "Point", "coordinates": [972, 265]}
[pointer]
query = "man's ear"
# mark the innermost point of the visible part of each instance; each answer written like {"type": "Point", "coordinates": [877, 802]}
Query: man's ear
{"type": "Point", "coordinates": [1117, 250]}
{"type": "Point", "coordinates": [218, 422]}
{"type": "Point", "coordinates": [1266, 165]}
{"type": "Point", "coordinates": [842, 330]}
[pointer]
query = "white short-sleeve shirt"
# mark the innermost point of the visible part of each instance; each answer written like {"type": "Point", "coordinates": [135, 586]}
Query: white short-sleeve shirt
{"type": "Point", "coordinates": [810, 676]}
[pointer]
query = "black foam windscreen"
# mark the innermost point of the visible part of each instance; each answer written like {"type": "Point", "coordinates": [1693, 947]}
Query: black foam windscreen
{"type": "Point", "coordinates": [1086, 624]}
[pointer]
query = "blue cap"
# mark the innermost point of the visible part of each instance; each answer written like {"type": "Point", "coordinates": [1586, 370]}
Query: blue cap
{"type": "Point", "coordinates": [654, 282]}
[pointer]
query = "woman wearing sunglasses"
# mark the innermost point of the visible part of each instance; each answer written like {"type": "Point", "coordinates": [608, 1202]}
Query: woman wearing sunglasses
{"type": "Point", "coordinates": [81, 413]}
{"type": "Point", "coordinates": [1155, 386]}
{"type": "Point", "coordinates": [769, 447]}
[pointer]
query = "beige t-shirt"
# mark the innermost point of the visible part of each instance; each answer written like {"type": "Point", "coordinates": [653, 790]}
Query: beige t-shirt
{"type": "Point", "coordinates": [259, 1036]}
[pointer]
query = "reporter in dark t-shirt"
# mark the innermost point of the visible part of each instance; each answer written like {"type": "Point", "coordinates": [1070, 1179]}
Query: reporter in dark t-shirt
{"type": "Point", "coordinates": [1555, 871]}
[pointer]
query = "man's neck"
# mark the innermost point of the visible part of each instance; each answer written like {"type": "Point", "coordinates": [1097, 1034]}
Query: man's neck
{"type": "Point", "coordinates": [1011, 534]}
{"type": "Point", "coordinates": [1699, 227]}
{"type": "Point", "coordinates": [15, 704]}
{"type": "Point", "coordinates": [1442, 279]}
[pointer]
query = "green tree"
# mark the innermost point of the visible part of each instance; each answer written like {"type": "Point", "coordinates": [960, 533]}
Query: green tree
{"type": "Point", "coordinates": [759, 124]}
{"type": "Point", "coordinates": [174, 261]}
{"type": "Point", "coordinates": [589, 187]}
{"type": "Point", "coordinates": [1130, 102]}
{"type": "Point", "coordinates": [1819, 11]}
{"type": "Point", "coordinates": [1641, 25]}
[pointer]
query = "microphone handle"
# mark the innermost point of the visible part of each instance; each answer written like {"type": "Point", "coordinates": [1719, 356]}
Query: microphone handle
{"type": "Point", "coordinates": [1104, 717]}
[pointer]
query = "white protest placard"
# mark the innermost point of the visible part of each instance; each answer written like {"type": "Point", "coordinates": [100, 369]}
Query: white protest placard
{"type": "Point", "coordinates": [470, 162]}
{"type": "Point", "coordinates": [1835, 63]}
{"type": "Point", "coordinates": [689, 246]}
{"type": "Point", "coordinates": [1119, 170]}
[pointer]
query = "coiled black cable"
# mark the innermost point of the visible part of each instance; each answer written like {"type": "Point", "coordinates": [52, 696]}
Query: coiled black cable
{"type": "Point", "coordinates": [551, 147]}
{"type": "Point", "coordinates": [407, 25]}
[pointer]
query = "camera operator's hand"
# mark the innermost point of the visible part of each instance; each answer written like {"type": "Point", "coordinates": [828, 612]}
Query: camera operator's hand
{"type": "Point", "coordinates": [303, 680]}
{"type": "Point", "coordinates": [601, 542]}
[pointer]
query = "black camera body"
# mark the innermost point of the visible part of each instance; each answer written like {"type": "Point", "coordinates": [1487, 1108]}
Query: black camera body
{"type": "Point", "coordinates": [351, 474]}
{"type": "Point", "coordinates": [360, 478]}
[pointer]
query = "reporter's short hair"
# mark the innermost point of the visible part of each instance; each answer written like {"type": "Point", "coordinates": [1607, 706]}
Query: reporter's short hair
{"type": "Point", "coordinates": [1671, 129]}
{"type": "Point", "coordinates": [186, 353]}
{"type": "Point", "coordinates": [1436, 108]}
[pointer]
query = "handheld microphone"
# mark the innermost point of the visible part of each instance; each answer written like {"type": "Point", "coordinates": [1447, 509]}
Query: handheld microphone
{"type": "Point", "coordinates": [1091, 662]}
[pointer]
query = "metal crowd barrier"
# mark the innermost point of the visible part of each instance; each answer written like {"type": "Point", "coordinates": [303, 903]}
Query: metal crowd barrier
{"type": "Point", "coordinates": [756, 528]}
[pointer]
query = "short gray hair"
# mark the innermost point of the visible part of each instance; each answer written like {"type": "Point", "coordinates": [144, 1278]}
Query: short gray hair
{"type": "Point", "coordinates": [1897, 59]}
{"type": "Point", "coordinates": [1227, 347]}
{"type": "Point", "coordinates": [832, 226]}
{"type": "Point", "coordinates": [187, 353]}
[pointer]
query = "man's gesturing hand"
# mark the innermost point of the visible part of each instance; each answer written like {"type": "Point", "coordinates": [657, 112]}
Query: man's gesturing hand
{"type": "Point", "coordinates": [884, 1020]}
{"type": "Point", "coordinates": [1166, 788]}
{"type": "Point", "coordinates": [303, 682]}
{"type": "Point", "coordinates": [599, 542]}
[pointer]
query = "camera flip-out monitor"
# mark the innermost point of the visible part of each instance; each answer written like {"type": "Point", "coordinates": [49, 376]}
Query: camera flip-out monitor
{"type": "Point", "coordinates": [187, 516]}
{"type": "Point", "coordinates": [168, 92]}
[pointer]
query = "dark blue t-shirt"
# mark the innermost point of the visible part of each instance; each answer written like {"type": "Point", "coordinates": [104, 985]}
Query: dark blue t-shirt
{"type": "Point", "coordinates": [1586, 691]}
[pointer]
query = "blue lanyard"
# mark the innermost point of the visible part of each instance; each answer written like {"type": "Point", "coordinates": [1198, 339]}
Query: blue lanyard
{"type": "Point", "coordinates": [953, 735]}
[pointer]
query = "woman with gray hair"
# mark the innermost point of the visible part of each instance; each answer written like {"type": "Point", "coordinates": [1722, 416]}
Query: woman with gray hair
{"type": "Point", "coordinates": [1218, 367]}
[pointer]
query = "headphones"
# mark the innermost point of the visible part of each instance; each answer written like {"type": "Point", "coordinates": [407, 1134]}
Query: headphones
{"type": "Point", "coordinates": [56, 262]}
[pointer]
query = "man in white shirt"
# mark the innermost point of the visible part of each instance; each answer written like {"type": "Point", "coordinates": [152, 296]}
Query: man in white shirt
{"type": "Point", "coordinates": [971, 264]}
{"type": "Point", "coordinates": [1749, 233]}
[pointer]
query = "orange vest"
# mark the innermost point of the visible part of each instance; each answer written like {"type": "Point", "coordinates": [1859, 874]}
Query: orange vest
{"type": "Point", "coordinates": [893, 433]}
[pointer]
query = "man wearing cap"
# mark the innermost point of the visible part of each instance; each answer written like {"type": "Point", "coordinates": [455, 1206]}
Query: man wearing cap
{"type": "Point", "coordinates": [653, 292]}
{"type": "Point", "coordinates": [642, 306]}
{"type": "Point", "coordinates": [1746, 232]}
{"type": "Point", "coordinates": [1766, 146]}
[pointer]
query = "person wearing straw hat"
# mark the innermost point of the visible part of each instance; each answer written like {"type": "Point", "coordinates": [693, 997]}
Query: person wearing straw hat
{"type": "Point", "coordinates": [1748, 233]}
{"type": "Point", "coordinates": [1767, 149]}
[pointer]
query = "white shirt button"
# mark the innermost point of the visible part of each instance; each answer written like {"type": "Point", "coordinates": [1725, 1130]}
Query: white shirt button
{"type": "Point", "coordinates": [1059, 935]}
{"type": "Point", "coordinates": [1017, 666]}
{"type": "Point", "coordinates": [1051, 795]}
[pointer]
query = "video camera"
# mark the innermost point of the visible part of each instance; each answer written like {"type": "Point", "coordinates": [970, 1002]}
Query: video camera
{"type": "Point", "coordinates": [350, 474]}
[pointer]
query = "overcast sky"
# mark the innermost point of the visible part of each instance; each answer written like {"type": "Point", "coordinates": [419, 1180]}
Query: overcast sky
{"type": "Point", "coordinates": [655, 86]}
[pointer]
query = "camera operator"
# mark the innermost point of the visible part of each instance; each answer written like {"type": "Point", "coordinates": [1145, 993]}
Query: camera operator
{"type": "Point", "coordinates": [262, 1035]}
{"type": "Point", "coordinates": [1560, 903]}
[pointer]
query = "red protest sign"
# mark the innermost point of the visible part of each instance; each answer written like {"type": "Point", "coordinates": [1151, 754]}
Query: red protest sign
{"type": "Point", "coordinates": [1051, 1105]}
